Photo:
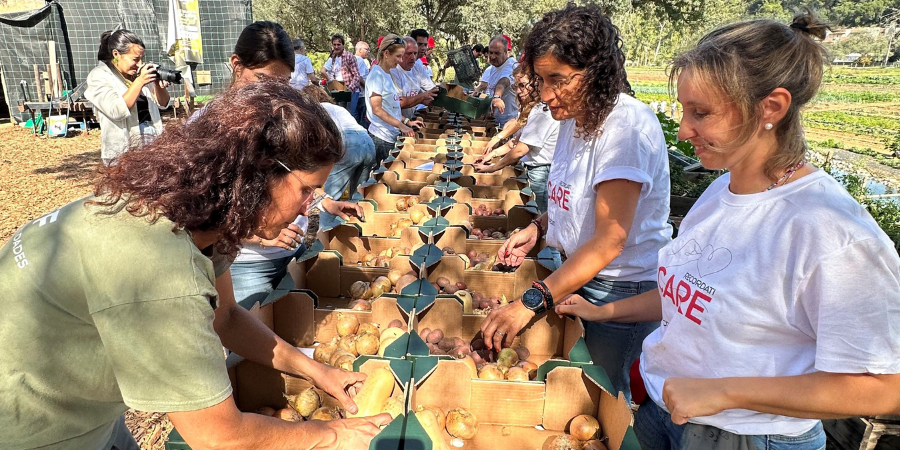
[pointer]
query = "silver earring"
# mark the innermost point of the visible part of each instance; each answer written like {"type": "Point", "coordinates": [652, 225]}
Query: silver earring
{"type": "Point", "coordinates": [768, 126]}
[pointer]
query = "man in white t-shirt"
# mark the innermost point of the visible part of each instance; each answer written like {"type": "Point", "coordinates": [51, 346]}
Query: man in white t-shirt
{"type": "Point", "coordinates": [497, 81]}
{"type": "Point", "coordinates": [409, 82]}
{"type": "Point", "coordinates": [362, 51]}
{"type": "Point", "coordinates": [303, 69]}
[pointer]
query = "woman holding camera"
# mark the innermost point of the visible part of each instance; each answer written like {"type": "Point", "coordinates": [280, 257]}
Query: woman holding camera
{"type": "Point", "coordinates": [128, 95]}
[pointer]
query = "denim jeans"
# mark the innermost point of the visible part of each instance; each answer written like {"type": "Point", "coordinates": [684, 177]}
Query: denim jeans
{"type": "Point", "coordinates": [353, 169]}
{"type": "Point", "coordinates": [537, 178]}
{"type": "Point", "coordinates": [382, 149]}
{"type": "Point", "coordinates": [655, 430]}
{"type": "Point", "coordinates": [360, 113]}
{"type": "Point", "coordinates": [254, 280]}
{"type": "Point", "coordinates": [351, 105]}
{"type": "Point", "coordinates": [615, 346]}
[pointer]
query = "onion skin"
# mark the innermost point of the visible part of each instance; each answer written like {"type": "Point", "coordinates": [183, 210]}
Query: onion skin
{"type": "Point", "coordinates": [325, 414]}
{"type": "Point", "coordinates": [385, 284]}
{"type": "Point", "coordinates": [346, 324]}
{"type": "Point", "coordinates": [367, 344]}
{"type": "Point", "coordinates": [360, 305]}
{"type": "Point", "coordinates": [288, 414]}
{"type": "Point", "coordinates": [470, 363]}
{"type": "Point", "coordinates": [394, 275]}
{"type": "Point", "coordinates": [584, 427]}
{"type": "Point", "coordinates": [369, 328]}
{"type": "Point", "coordinates": [529, 367]}
{"type": "Point", "coordinates": [404, 281]}
{"type": "Point", "coordinates": [323, 352]}
{"type": "Point", "coordinates": [564, 442]}
{"type": "Point", "coordinates": [337, 354]}
{"type": "Point", "coordinates": [522, 352]}
{"type": "Point", "coordinates": [594, 444]}
{"type": "Point", "coordinates": [462, 424]}
{"type": "Point", "coordinates": [358, 289]}
{"type": "Point", "coordinates": [348, 344]}
{"type": "Point", "coordinates": [517, 374]}
{"type": "Point", "coordinates": [396, 323]}
{"type": "Point", "coordinates": [306, 402]}
{"type": "Point", "coordinates": [490, 372]}
{"type": "Point", "coordinates": [507, 358]}
{"type": "Point", "coordinates": [345, 362]}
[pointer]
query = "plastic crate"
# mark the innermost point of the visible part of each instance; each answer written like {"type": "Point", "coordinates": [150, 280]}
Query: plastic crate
{"type": "Point", "coordinates": [463, 61]}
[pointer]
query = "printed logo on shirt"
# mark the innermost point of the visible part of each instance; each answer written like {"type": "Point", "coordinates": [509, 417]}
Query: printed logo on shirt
{"type": "Point", "coordinates": [689, 293]}
{"type": "Point", "coordinates": [559, 194]}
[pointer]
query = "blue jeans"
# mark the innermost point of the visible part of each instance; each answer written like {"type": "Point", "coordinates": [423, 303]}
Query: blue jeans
{"type": "Point", "coordinates": [382, 149]}
{"type": "Point", "coordinates": [537, 178]}
{"type": "Point", "coordinates": [615, 346]}
{"type": "Point", "coordinates": [360, 113]}
{"type": "Point", "coordinates": [655, 430]}
{"type": "Point", "coordinates": [255, 280]}
{"type": "Point", "coordinates": [353, 169]}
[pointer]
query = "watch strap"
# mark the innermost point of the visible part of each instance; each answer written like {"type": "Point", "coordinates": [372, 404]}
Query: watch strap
{"type": "Point", "coordinates": [548, 297]}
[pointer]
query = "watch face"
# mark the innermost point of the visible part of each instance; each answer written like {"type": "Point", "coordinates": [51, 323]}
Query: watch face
{"type": "Point", "coordinates": [532, 298]}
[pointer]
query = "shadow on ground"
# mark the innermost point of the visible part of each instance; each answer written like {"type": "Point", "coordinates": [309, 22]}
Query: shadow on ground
{"type": "Point", "coordinates": [78, 167]}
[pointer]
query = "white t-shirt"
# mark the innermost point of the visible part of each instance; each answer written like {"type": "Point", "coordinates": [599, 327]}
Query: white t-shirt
{"type": "Point", "coordinates": [333, 68]}
{"type": "Point", "coordinates": [363, 67]}
{"type": "Point", "coordinates": [302, 68]}
{"type": "Point", "coordinates": [406, 81]}
{"type": "Point", "coordinates": [381, 83]}
{"type": "Point", "coordinates": [780, 283]}
{"type": "Point", "coordinates": [423, 75]}
{"type": "Point", "coordinates": [540, 134]}
{"type": "Point", "coordinates": [342, 118]}
{"type": "Point", "coordinates": [492, 76]}
{"type": "Point", "coordinates": [631, 147]}
{"type": "Point", "coordinates": [255, 252]}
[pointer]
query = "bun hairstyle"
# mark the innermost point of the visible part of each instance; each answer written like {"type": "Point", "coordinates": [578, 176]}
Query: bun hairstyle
{"type": "Point", "coordinates": [262, 42]}
{"type": "Point", "coordinates": [119, 40]}
{"type": "Point", "coordinates": [390, 43]}
{"type": "Point", "coordinates": [746, 61]}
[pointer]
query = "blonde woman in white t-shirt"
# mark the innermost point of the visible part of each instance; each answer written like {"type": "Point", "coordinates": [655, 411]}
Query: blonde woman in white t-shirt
{"type": "Point", "coordinates": [608, 187]}
{"type": "Point", "coordinates": [780, 298]}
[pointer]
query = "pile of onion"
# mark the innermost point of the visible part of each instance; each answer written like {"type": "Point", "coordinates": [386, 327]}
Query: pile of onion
{"type": "Point", "coordinates": [462, 423]}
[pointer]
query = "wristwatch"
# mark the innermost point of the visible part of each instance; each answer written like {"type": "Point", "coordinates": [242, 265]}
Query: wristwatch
{"type": "Point", "coordinates": [497, 96]}
{"type": "Point", "coordinates": [405, 120]}
{"type": "Point", "coordinates": [538, 298]}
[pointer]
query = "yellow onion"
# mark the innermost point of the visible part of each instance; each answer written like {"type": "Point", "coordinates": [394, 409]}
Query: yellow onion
{"type": "Point", "coordinates": [490, 372]}
{"type": "Point", "coordinates": [325, 413]}
{"type": "Point", "coordinates": [584, 427]}
{"type": "Point", "coordinates": [288, 414]}
{"type": "Point", "coordinates": [370, 328]}
{"type": "Point", "coordinates": [360, 305]}
{"type": "Point", "coordinates": [367, 344]}
{"type": "Point", "coordinates": [323, 351]}
{"type": "Point", "coordinates": [339, 353]}
{"type": "Point", "coordinates": [345, 361]}
{"type": "Point", "coordinates": [594, 444]}
{"type": "Point", "coordinates": [394, 276]}
{"type": "Point", "coordinates": [507, 358]}
{"type": "Point", "coordinates": [462, 424]}
{"type": "Point", "coordinates": [417, 216]}
{"type": "Point", "coordinates": [404, 281]}
{"type": "Point", "coordinates": [384, 283]}
{"type": "Point", "coordinates": [348, 344]}
{"type": "Point", "coordinates": [306, 402]}
{"type": "Point", "coordinates": [517, 374]}
{"type": "Point", "coordinates": [358, 289]}
{"type": "Point", "coordinates": [346, 324]}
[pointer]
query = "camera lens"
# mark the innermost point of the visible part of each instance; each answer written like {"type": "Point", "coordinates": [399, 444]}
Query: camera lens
{"type": "Point", "coordinates": [172, 76]}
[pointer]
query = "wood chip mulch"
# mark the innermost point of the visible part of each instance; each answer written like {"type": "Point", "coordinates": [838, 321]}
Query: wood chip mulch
{"type": "Point", "coordinates": [150, 429]}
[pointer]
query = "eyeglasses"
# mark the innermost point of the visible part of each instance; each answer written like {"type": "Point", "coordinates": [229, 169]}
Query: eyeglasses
{"type": "Point", "coordinates": [555, 87]}
{"type": "Point", "coordinates": [306, 197]}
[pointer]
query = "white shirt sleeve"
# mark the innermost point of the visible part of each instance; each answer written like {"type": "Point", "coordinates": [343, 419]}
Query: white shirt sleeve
{"type": "Point", "coordinates": [852, 302]}
{"type": "Point", "coordinates": [308, 63]}
{"type": "Point", "coordinates": [361, 66]}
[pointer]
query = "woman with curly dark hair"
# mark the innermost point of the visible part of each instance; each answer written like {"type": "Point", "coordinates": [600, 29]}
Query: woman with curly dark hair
{"type": "Point", "coordinates": [110, 302]}
{"type": "Point", "coordinates": [608, 187]}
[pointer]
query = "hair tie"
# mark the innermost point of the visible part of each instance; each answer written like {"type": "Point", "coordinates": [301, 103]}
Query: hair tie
{"type": "Point", "coordinates": [800, 27]}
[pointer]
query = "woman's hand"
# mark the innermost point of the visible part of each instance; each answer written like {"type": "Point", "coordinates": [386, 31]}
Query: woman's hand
{"type": "Point", "coordinates": [492, 143]}
{"type": "Point", "coordinates": [504, 323]}
{"type": "Point", "coordinates": [146, 75]}
{"type": "Point", "coordinates": [343, 209]}
{"type": "Point", "coordinates": [416, 124]}
{"type": "Point", "coordinates": [288, 239]}
{"type": "Point", "coordinates": [340, 384]}
{"type": "Point", "coordinates": [686, 398]}
{"type": "Point", "coordinates": [576, 305]}
{"type": "Point", "coordinates": [407, 131]}
{"type": "Point", "coordinates": [514, 250]}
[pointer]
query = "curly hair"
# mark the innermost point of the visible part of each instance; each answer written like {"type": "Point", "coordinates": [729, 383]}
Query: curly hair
{"type": "Point", "coordinates": [585, 39]}
{"type": "Point", "coordinates": [215, 172]}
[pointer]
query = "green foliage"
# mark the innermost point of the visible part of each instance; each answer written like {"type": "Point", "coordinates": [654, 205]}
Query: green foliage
{"type": "Point", "coordinates": [885, 212]}
{"type": "Point", "coordinates": [670, 131]}
{"type": "Point", "coordinates": [855, 122]}
{"type": "Point", "coordinates": [893, 145]}
{"type": "Point", "coordinates": [681, 186]}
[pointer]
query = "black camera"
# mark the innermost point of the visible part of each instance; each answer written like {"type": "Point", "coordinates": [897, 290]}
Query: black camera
{"type": "Point", "coordinates": [172, 76]}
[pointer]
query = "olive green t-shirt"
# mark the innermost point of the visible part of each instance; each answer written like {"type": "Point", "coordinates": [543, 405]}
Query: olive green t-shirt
{"type": "Point", "coordinates": [97, 312]}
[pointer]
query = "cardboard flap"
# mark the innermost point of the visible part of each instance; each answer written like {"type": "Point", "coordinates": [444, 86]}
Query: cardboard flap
{"type": "Point", "coordinates": [293, 318]}
{"type": "Point", "coordinates": [414, 435]}
{"type": "Point", "coordinates": [426, 256]}
{"type": "Point", "coordinates": [573, 341]}
{"type": "Point", "coordinates": [406, 303]}
{"type": "Point", "coordinates": [419, 288]}
{"type": "Point", "coordinates": [445, 187]}
{"type": "Point", "coordinates": [615, 419]}
{"type": "Point", "coordinates": [441, 203]}
{"type": "Point", "coordinates": [569, 393]}
{"type": "Point", "coordinates": [447, 385]}
{"type": "Point", "coordinates": [579, 352]}
{"type": "Point", "coordinates": [309, 252]}
{"type": "Point", "coordinates": [417, 347]}
{"type": "Point", "coordinates": [547, 260]}
{"type": "Point", "coordinates": [597, 375]}
{"type": "Point", "coordinates": [443, 313]}
{"type": "Point", "coordinates": [391, 437]}
{"type": "Point", "coordinates": [323, 277]}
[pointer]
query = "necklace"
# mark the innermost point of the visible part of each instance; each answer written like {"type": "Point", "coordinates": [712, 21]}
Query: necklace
{"type": "Point", "coordinates": [787, 175]}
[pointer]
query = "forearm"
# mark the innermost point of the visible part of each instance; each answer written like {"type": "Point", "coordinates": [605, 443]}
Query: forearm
{"type": "Point", "coordinates": [410, 101]}
{"type": "Point", "coordinates": [383, 115]}
{"type": "Point", "coordinates": [513, 156]}
{"type": "Point", "coordinates": [132, 94]}
{"type": "Point", "coordinates": [162, 95]}
{"type": "Point", "coordinates": [818, 395]}
{"type": "Point", "coordinates": [480, 88]}
{"type": "Point", "coordinates": [583, 265]}
{"type": "Point", "coordinates": [247, 336]}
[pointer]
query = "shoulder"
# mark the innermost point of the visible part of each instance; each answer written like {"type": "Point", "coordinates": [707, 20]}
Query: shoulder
{"type": "Point", "coordinates": [633, 117]}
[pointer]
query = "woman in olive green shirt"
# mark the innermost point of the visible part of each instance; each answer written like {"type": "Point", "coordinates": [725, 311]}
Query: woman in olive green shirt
{"type": "Point", "coordinates": [110, 302]}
